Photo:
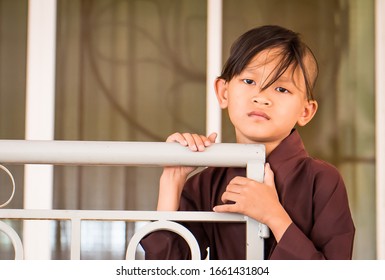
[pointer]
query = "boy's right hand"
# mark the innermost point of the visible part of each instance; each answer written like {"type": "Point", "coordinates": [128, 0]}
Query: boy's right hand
{"type": "Point", "coordinates": [174, 177]}
{"type": "Point", "coordinates": [195, 142]}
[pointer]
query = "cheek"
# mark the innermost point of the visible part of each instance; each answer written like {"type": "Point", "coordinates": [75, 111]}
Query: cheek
{"type": "Point", "coordinates": [289, 106]}
{"type": "Point", "coordinates": [235, 114]}
{"type": "Point", "coordinates": [236, 106]}
{"type": "Point", "coordinates": [289, 114]}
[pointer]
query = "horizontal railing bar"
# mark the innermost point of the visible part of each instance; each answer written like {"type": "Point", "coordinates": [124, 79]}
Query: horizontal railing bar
{"type": "Point", "coordinates": [115, 215]}
{"type": "Point", "coordinates": [126, 153]}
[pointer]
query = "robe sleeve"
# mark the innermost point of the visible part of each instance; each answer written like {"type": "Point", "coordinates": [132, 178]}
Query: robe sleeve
{"type": "Point", "coordinates": [332, 233]}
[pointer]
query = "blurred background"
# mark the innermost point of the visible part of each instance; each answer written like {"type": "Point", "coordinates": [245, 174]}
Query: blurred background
{"type": "Point", "coordinates": [135, 70]}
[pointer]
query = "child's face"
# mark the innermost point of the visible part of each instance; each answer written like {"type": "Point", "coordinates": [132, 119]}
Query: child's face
{"type": "Point", "coordinates": [266, 116]}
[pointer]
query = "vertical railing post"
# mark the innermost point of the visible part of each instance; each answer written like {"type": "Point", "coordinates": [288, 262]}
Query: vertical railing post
{"type": "Point", "coordinates": [75, 238]}
{"type": "Point", "coordinates": [255, 231]}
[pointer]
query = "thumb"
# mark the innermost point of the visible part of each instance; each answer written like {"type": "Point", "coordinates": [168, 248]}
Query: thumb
{"type": "Point", "coordinates": [269, 175]}
{"type": "Point", "coordinates": [212, 137]}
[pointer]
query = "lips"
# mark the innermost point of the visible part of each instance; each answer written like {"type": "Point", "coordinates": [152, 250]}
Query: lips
{"type": "Point", "coordinates": [258, 114]}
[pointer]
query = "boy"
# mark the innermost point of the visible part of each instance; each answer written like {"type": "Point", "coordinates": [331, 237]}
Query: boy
{"type": "Point", "coordinates": [266, 85]}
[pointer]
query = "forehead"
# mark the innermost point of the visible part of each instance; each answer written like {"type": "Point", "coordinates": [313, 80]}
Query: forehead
{"type": "Point", "coordinates": [267, 64]}
{"type": "Point", "coordinates": [266, 56]}
{"type": "Point", "coordinates": [265, 60]}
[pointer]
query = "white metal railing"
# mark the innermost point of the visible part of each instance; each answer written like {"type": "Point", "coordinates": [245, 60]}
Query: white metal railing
{"type": "Point", "coordinates": [252, 157]}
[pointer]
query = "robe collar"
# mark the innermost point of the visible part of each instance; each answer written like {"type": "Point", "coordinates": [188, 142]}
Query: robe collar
{"type": "Point", "coordinates": [290, 150]}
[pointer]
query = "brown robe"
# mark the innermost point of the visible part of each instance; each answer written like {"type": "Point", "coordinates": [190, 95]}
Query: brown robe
{"type": "Point", "coordinates": [312, 192]}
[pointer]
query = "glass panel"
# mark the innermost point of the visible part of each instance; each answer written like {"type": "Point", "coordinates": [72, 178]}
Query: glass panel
{"type": "Point", "coordinates": [131, 71]}
{"type": "Point", "coordinates": [13, 44]}
{"type": "Point", "coordinates": [341, 34]}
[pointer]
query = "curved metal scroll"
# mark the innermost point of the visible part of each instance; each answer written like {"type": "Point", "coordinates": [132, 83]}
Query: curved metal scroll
{"type": "Point", "coordinates": [16, 241]}
{"type": "Point", "coordinates": [163, 225]}
{"type": "Point", "coordinates": [13, 185]}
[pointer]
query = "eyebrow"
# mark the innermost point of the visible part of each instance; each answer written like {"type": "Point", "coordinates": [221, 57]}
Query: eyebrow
{"type": "Point", "coordinates": [286, 78]}
{"type": "Point", "coordinates": [283, 78]}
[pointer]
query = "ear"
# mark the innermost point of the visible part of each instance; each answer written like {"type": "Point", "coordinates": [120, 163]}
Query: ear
{"type": "Point", "coordinates": [308, 113]}
{"type": "Point", "coordinates": [220, 86]}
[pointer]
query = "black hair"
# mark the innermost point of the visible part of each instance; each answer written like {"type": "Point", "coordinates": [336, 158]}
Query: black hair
{"type": "Point", "coordinates": [293, 53]}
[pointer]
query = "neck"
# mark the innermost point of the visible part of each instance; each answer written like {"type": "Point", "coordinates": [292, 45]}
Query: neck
{"type": "Point", "coordinates": [270, 145]}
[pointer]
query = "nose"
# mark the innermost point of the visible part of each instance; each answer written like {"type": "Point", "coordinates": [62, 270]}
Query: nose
{"type": "Point", "coordinates": [261, 100]}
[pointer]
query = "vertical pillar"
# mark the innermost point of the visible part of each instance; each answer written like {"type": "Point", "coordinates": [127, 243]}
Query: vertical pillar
{"type": "Point", "coordinates": [214, 65]}
{"type": "Point", "coordinates": [39, 125]}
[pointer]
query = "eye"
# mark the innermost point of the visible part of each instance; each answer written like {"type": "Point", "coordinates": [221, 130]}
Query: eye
{"type": "Point", "coordinates": [281, 90]}
{"type": "Point", "coordinates": [248, 81]}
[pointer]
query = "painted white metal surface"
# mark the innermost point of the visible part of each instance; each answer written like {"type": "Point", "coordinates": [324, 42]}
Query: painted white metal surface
{"type": "Point", "coordinates": [162, 221]}
{"type": "Point", "coordinates": [252, 157]}
{"type": "Point", "coordinates": [380, 126]}
{"type": "Point", "coordinates": [40, 89]}
{"type": "Point", "coordinates": [39, 116]}
{"type": "Point", "coordinates": [214, 66]}
{"type": "Point", "coordinates": [5, 203]}
{"type": "Point", "coordinates": [255, 171]}
{"type": "Point", "coordinates": [127, 153]}
{"type": "Point", "coordinates": [163, 225]}
{"type": "Point", "coordinates": [116, 215]}
{"type": "Point", "coordinates": [15, 239]}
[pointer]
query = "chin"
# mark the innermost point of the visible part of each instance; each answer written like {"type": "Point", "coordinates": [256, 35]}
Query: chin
{"type": "Point", "coordinates": [255, 139]}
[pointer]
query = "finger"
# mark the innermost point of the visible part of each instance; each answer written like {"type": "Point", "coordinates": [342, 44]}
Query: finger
{"type": "Point", "coordinates": [194, 141]}
{"type": "Point", "coordinates": [230, 197]}
{"type": "Point", "coordinates": [269, 175]}
{"type": "Point", "coordinates": [199, 142]}
{"type": "Point", "coordinates": [239, 180]}
{"type": "Point", "coordinates": [234, 188]}
{"type": "Point", "coordinates": [207, 141]}
{"type": "Point", "coordinates": [190, 141]}
{"type": "Point", "coordinates": [177, 137]}
{"type": "Point", "coordinates": [211, 138]}
{"type": "Point", "coordinates": [225, 208]}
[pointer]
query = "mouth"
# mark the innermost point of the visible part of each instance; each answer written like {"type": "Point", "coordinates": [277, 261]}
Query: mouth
{"type": "Point", "coordinates": [258, 115]}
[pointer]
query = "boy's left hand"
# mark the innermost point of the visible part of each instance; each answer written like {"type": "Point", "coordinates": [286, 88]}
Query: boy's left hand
{"type": "Point", "coordinates": [256, 200]}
